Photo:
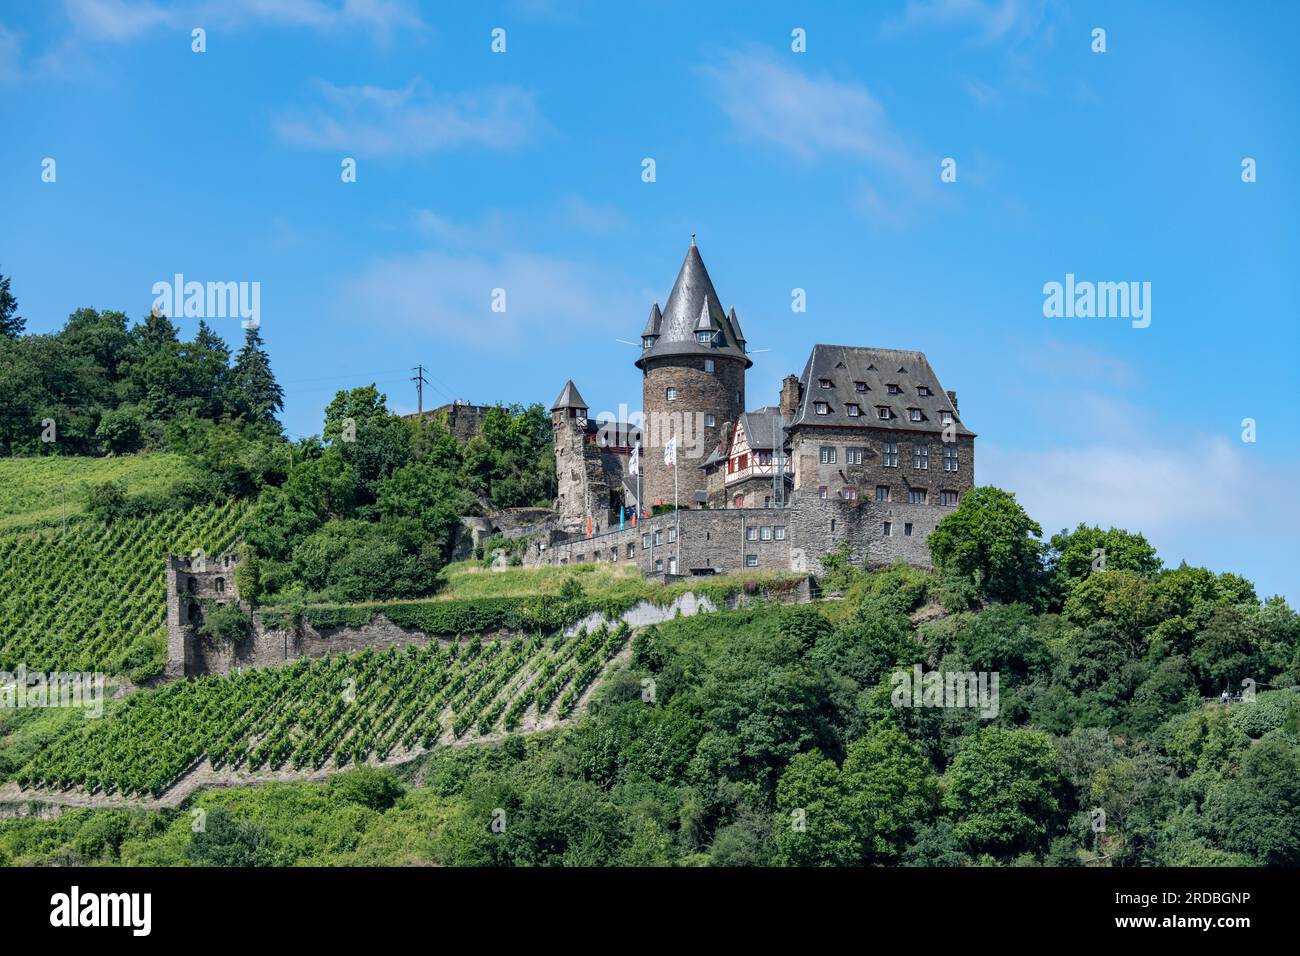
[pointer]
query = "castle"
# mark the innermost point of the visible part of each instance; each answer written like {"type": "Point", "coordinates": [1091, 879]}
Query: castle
{"type": "Point", "coordinates": [864, 447]}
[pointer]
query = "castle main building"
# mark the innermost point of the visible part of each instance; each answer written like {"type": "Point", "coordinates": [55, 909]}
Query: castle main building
{"type": "Point", "coordinates": [864, 446]}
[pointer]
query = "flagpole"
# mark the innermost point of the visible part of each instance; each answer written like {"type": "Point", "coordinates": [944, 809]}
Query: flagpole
{"type": "Point", "coordinates": [677, 510]}
{"type": "Point", "coordinates": [639, 510]}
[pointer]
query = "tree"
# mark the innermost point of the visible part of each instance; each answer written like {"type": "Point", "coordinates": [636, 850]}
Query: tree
{"type": "Point", "coordinates": [11, 323]}
{"type": "Point", "coordinates": [1071, 555]}
{"type": "Point", "coordinates": [226, 841]}
{"type": "Point", "coordinates": [260, 396]}
{"type": "Point", "coordinates": [1258, 812]}
{"type": "Point", "coordinates": [813, 825]}
{"type": "Point", "coordinates": [1002, 790]}
{"type": "Point", "coordinates": [990, 538]}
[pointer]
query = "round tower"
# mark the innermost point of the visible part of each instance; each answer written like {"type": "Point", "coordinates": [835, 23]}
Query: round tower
{"type": "Point", "coordinates": [693, 363]}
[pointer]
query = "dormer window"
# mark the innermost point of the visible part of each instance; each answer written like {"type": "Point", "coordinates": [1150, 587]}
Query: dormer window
{"type": "Point", "coordinates": [822, 408]}
{"type": "Point", "coordinates": [647, 341]}
{"type": "Point", "coordinates": [882, 412]}
{"type": "Point", "coordinates": [860, 387]}
{"type": "Point", "coordinates": [853, 410]}
{"type": "Point", "coordinates": [704, 338]}
{"type": "Point", "coordinates": [893, 389]}
{"type": "Point", "coordinates": [825, 383]}
{"type": "Point", "coordinates": [924, 391]}
{"type": "Point", "coordinates": [945, 418]}
{"type": "Point", "coordinates": [914, 414]}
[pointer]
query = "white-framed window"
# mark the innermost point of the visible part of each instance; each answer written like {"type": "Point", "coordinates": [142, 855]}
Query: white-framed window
{"type": "Point", "coordinates": [882, 412]}
{"type": "Point", "coordinates": [949, 457]}
{"type": "Point", "coordinates": [921, 457]}
{"type": "Point", "coordinates": [889, 454]}
{"type": "Point", "coordinates": [670, 393]}
{"type": "Point", "coordinates": [924, 391]}
{"type": "Point", "coordinates": [853, 410]}
{"type": "Point", "coordinates": [645, 540]}
{"type": "Point", "coordinates": [704, 338]}
{"type": "Point", "coordinates": [821, 408]}
{"type": "Point", "coordinates": [914, 414]}
{"type": "Point", "coordinates": [947, 497]}
{"type": "Point", "coordinates": [709, 366]}
{"type": "Point", "coordinates": [779, 532]}
{"type": "Point", "coordinates": [853, 456]}
{"type": "Point", "coordinates": [893, 389]}
{"type": "Point", "coordinates": [672, 535]}
{"type": "Point", "coordinates": [827, 455]}
{"type": "Point", "coordinates": [659, 564]}
{"type": "Point", "coordinates": [751, 534]}
{"type": "Point", "coordinates": [709, 421]}
{"type": "Point", "coordinates": [860, 387]}
{"type": "Point", "coordinates": [823, 492]}
{"type": "Point", "coordinates": [659, 535]}
{"type": "Point", "coordinates": [765, 534]}
{"type": "Point", "coordinates": [887, 529]}
{"type": "Point", "coordinates": [850, 494]}
{"type": "Point", "coordinates": [945, 418]}
{"type": "Point", "coordinates": [672, 565]}
{"type": "Point", "coordinates": [907, 529]}
{"type": "Point", "coordinates": [916, 496]}
{"type": "Point", "coordinates": [882, 492]}
{"type": "Point", "coordinates": [751, 560]}
{"type": "Point", "coordinates": [631, 549]}
{"type": "Point", "coordinates": [825, 383]}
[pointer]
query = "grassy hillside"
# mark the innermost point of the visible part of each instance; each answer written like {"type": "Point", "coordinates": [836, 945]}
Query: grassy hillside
{"type": "Point", "coordinates": [94, 598]}
{"type": "Point", "coordinates": [35, 490]}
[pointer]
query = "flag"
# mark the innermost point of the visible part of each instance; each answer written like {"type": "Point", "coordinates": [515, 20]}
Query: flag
{"type": "Point", "coordinates": [634, 464]}
{"type": "Point", "coordinates": [670, 452]}
{"type": "Point", "coordinates": [588, 526]}
{"type": "Point", "coordinates": [634, 511]}
{"type": "Point", "coordinates": [621, 512]}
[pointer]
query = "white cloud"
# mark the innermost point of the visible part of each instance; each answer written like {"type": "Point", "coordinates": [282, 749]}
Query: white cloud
{"type": "Point", "coordinates": [122, 20]}
{"type": "Point", "coordinates": [449, 296]}
{"type": "Point", "coordinates": [10, 50]}
{"type": "Point", "coordinates": [414, 120]}
{"type": "Point", "coordinates": [807, 116]}
{"type": "Point", "coordinates": [988, 20]}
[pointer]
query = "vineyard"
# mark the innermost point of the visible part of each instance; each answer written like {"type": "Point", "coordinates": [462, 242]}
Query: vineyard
{"type": "Point", "coordinates": [44, 490]}
{"type": "Point", "coordinates": [334, 710]}
{"type": "Point", "coordinates": [94, 598]}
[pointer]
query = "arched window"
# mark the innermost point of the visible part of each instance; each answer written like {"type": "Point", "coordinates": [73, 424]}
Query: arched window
{"type": "Point", "coordinates": [221, 585]}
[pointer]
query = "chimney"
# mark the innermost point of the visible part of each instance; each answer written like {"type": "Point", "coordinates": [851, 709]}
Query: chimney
{"type": "Point", "coordinates": [724, 447]}
{"type": "Point", "coordinates": [790, 389]}
{"type": "Point", "coordinates": [952, 397]}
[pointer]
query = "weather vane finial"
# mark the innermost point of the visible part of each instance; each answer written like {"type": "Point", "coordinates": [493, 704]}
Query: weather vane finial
{"type": "Point", "coordinates": [692, 238]}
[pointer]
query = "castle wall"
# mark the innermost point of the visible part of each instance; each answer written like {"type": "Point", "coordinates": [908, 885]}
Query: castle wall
{"type": "Point", "coordinates": [191, 582]}
{"type": "Point", "coordinates": [810, 473]}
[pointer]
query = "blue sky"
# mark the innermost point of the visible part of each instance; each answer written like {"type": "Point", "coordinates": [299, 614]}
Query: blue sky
{"type": "Point", "coordinates": [817, 170]}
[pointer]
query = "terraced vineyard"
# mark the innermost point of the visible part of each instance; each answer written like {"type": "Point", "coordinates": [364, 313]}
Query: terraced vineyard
{"type": "Point", "coordinates": [92, 597]}
{"type": "Point", "coordinates": [341, 709]}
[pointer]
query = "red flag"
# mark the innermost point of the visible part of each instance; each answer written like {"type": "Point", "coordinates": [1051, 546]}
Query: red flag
{"type": "Point", "coordinates": [588, 526]}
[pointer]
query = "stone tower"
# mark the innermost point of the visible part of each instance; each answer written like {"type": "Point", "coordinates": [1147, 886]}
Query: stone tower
{"type": "Point", "coordinates": [582, 490]}
{"type": "Point", "coordinates": [693, 362]}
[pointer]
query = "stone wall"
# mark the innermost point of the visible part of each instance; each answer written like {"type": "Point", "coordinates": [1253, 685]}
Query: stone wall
{"type": "Point", "coordinates": [810, 473]}
{"type": "Point", "coordinates": [720, 394]}
{"type": "Point", "coordinates": [191, 581]}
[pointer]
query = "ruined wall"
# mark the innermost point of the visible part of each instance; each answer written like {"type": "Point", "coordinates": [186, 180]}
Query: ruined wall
{"type": "Point", "coordinates": [190, 582]}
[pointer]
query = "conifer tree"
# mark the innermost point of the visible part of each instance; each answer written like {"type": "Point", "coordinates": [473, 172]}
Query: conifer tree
{"type": "Point", "coordinates": [259, 393]}
{"type": "Point", "coordinates": [11, 323]}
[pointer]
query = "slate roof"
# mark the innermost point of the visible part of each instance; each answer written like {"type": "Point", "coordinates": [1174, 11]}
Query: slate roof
{"type": "Point", "coordinates": [758, 426]}
{"type": "Point", "coordinates": [569, 398]}
{"type": "Point", "coordinates": [693, 304]}
{"type": "Point", "coordinates": [845, 365]}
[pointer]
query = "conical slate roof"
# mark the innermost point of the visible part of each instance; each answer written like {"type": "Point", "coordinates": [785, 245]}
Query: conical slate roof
{"type": "Point", "coordinates": [652, 323]}
{"type": "Point", "coordinates": [693, 298]}
{"type": "Point", "coordinates": [569, 398]}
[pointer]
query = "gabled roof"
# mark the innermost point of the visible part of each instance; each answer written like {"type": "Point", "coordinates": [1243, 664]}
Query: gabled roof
{"type": "Point", "coordinates": [569, 398]}
{"type": "Point", "coordinates": [761, 424]}
{"type": "Point", "coordinates": [693, 298]}
{"type": "Point", "coordinates": [864, 365]}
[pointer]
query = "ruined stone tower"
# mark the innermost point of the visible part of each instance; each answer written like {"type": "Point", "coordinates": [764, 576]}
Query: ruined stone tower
{"type": "Point", "coordinates": [582, 489]}
{"type": "Point", "coordinates": [693, 362]}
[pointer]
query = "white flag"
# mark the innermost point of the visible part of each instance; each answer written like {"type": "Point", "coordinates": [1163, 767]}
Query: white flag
{"type": "Point", "coordinates": [670, 452]}
{"type": "Point", "coordinates": [634, 463]}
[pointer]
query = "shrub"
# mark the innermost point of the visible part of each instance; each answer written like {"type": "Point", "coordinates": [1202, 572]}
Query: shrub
{"type": "Point", "coordinates": [224, 623]}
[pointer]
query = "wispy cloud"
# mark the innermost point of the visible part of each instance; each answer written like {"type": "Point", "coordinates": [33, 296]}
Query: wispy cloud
{"type": "Point", "coordinates": [987, 21]}
{"type": "Point", "coordinates": [10, 51]}
{"type": "Point", "coordinates": [497, 229]}
{"type": "Point", "coordinates": [449, 297]}
{"type": "Point", "coordinates": [413, 120]}
{"type": "Point", "coordinates": [124, 20]}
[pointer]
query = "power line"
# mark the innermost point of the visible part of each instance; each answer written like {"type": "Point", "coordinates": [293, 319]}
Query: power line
{"type": "Point", "coordinates": [420, 381]}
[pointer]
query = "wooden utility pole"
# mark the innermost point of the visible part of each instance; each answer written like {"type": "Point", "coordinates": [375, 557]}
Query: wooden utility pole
{"type": "Point", "coordinates": [420, 381]}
